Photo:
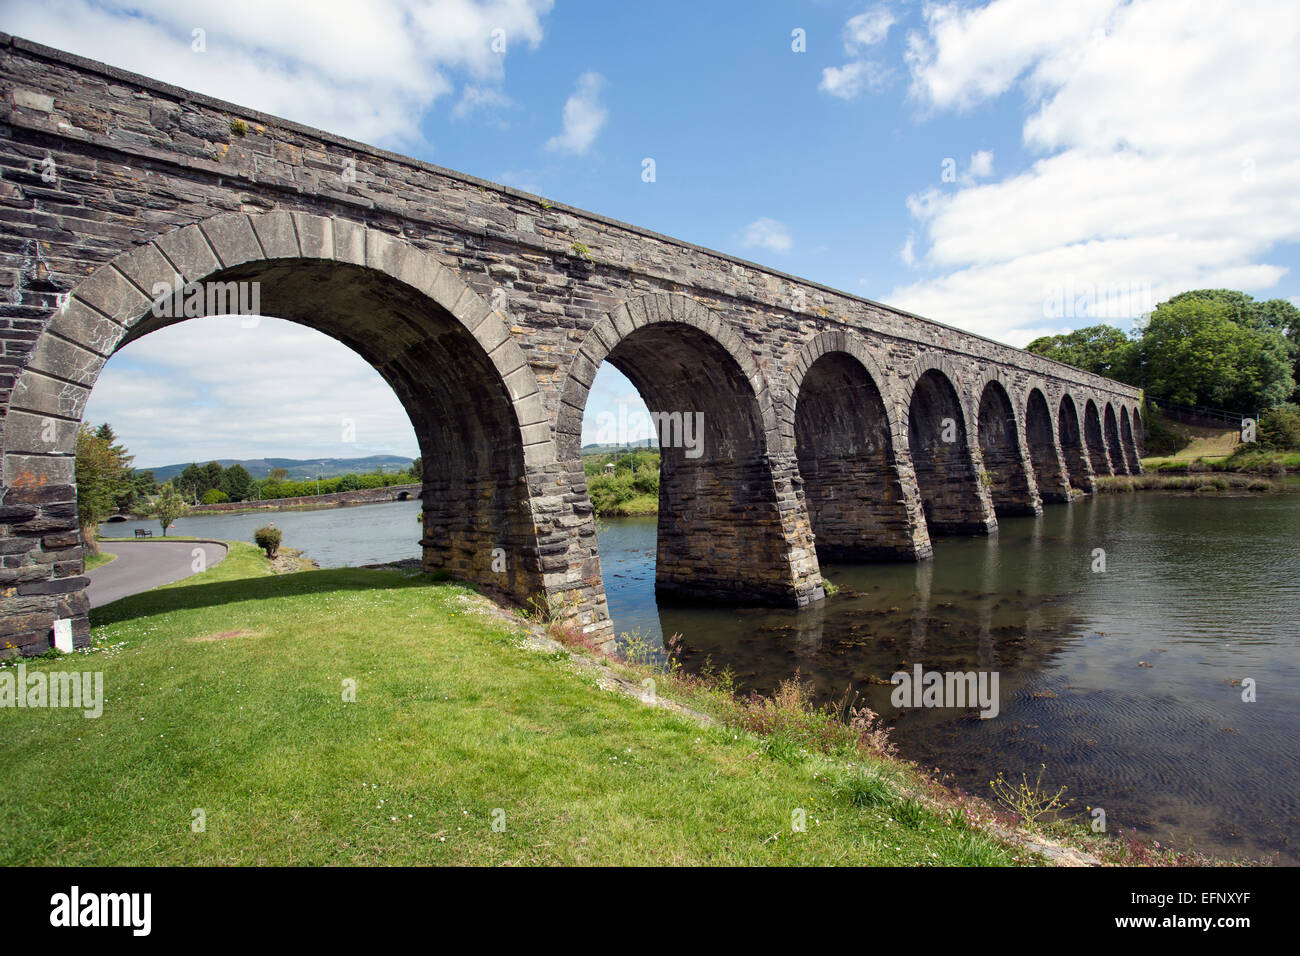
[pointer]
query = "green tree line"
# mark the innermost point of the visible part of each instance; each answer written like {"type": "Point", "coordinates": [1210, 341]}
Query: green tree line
{"type": "Point", "coordinates": [212, 484]}
{"type": "Point", "coordinates": [1216, 347]}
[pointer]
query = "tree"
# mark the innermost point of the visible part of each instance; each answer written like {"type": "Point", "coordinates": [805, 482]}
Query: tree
{"type": "Point", "coordinates": [191, 482]}
{"type": "Point", "coordinates": [237, 483]}
{"type": "Point", "coordinates": [417, 469]}
{"type": "Point", "coordinates": [167, 506]}
{"type": "Point", "coordinates": [1273, 317]}
{"type": "Point", "coordinates": [1205, 348]}
{"type": "Point", "coordinates": [1101, 349]}
{"type": "Point", "coordinates": [103, 473]}
{"type": "Point", "coordinates": [278, 475]}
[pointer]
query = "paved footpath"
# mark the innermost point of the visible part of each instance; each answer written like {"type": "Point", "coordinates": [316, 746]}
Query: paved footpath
{"type": "Point", "coordinates": [142, 565]}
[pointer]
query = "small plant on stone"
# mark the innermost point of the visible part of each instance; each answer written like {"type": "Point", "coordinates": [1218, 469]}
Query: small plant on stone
{"type": "Point", "coordinates": [239, 127]}
{"type": "Point", "coordinates": [580, 249]}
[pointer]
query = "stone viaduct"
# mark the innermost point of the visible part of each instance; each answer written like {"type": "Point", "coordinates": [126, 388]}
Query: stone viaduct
{"type": "Point", "coordinates": [834, 428]}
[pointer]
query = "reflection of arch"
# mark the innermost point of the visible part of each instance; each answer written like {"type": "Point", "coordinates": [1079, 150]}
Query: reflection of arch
{"type": "Point", "coordinates": [731, 525]}
{"type": "Point", "coordinates": [1113, 448]}
{"type": "Point", "coordinates": [1010, 483]}
{"type": "Point", "coordinates": [1070, 435]}
{"type": "Point", "coordinates": [1096, 442]}
{"type": "Point", "coordinates": [861, 504]}
{"type": "Point", "coordinates": [1040, 438]}
{"type": "Point", "coordinates": [948, 472]}
{"type": "Point", "coordinates": [463, 381]}
{"type": "Point", "coordinates": [1127, 443]}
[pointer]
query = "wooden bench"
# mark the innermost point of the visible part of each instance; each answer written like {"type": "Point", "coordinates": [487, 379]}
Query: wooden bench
{"type": "Point", "coordinates": [143, 533]}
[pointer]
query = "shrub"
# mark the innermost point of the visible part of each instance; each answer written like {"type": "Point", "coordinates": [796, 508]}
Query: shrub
{"type": "Point", "coordinates": [268, 539]}
{"type": "Point", "coordinates": [214, 496]}
{"type": "Point", "coordinates": [1279, 427]}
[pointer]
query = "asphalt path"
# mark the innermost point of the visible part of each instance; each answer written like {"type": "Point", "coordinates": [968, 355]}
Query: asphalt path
{"type": "Point", "coordinates": [142, 565]}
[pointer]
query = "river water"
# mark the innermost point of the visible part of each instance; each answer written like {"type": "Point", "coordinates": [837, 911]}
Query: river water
{"type": "Point", "coordinates": [1127, 682]}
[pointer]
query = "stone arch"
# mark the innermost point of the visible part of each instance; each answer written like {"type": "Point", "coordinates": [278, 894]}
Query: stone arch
{"type": "Point", "coordinates": [1069, 433]}
{"type": "Point", "coordinates": [1128, 443]}
{"type": "Point", "coordinates": [732, 524]}
{"type": "Point", "coordinates": [1044, 454]}
{"type": "Point", "coordinates": [947, 462]}
{"type": "Point", "coordinates": [1139, 433]}
{"type": "Point", "coordinates": [1110, 424]}
{"type": "Point", "coordinates": [1010, 482]}
{"type": "Point", "coordinates": [862, 499]}
{"type": "Point", "coordinates": [1095, 439]}
{"type": "Point", "coordinates": [464, 382]}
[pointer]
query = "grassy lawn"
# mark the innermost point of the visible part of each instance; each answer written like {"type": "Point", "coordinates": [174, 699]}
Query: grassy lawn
{"type": "Point", "coordinates": [224, 693]}
{"type": "Point", "coordinates": [99, 559]}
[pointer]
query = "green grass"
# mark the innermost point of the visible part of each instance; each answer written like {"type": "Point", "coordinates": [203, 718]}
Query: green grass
{"type": "Point", "coordinates": [224, 693]}
{"type": "Point", "coordinates": [99, 559]}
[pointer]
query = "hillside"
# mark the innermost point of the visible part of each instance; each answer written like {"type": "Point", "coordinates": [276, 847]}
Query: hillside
{"type": "Point", "coordinates": [298, 468]}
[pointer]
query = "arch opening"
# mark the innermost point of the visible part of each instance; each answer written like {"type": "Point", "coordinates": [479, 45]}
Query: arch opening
{"type": "Point", "coordinates": [1097, 454]}
{"type": "Point", "coordinates": [1049, 473]}
{"type": "Point", "coordinates": [731, 526]}
{"type": "Point", "coordinates": [1009, 483]}
{"type": "Point", "coordinates": [475, 497]}
{"type": "Point", "coordinates": [1128, 443]}
{"type": "Point", "coordinates": [946, 473]}
{"type": "Point", "coordinates": [1070, 435]}
{"type": "Point", "coordinates": [845, 449]}
{"type": "Point", "coordinates": [1113, 447]}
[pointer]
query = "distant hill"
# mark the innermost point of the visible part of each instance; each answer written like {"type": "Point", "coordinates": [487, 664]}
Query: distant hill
{"type": "Point", "coordinates": [608, 448]}
{"type": "Point", "coordinates": [298, 468]}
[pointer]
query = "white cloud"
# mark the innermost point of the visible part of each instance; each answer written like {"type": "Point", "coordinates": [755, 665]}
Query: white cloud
{"type": "Point", "coordinates": [908, 252]}
{"type": "Point", "coordinates": [860, 32]}
{"type": "Point", "coordinates": [1167, 136]}
{"type": "Point", "coordinates": [474, 99]}
{"type": "Point", "coordinates": [973, 53]}
{"type": "Point", "coordinates": [584, 115]}
{"type": "Point", "coordinates": [849, 80]}
{"type": "Point", "coordinates": [209, 388]}
{"type": "Point", "coordinates": [867, 29]}
{"type": "Point", "coordinates": [368, 71]}
{"type": "Point", "coordinates": [767, 234]}
{"type": "Point", "coordinates": [981, 165]}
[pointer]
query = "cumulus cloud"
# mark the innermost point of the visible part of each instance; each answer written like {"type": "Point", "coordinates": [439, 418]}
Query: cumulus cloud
{"type": "Point", "coordinates": [767, 234]}
{"type": "Point", "coordinates": [211, 388]}
{"type": "Point", "coordinates": [364, 71]}
{"type": "Point", "coordinates": [849, 80]}
{"type": "Point", "coordinates": [584, 115]}
{"type": "Point", "coordinates": [868, 28]}
{"type": "Point", "coordinates": [1165, 135]}
{"type": "Point", "coordinates": [860, 33]}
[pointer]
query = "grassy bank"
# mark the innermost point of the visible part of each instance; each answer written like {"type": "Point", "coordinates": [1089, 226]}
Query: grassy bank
{"type": "Point", "coordinates": [97, 559]}
{"type": "Point", "coordinates": [225, 695]}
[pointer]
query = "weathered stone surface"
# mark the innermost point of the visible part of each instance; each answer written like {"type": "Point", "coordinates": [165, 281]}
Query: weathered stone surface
{"type": "Point", "coordinates": [823, 428]}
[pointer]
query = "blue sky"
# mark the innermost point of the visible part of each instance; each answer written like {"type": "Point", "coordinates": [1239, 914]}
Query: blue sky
{"type": "Point", "coordinates": [980, 163]}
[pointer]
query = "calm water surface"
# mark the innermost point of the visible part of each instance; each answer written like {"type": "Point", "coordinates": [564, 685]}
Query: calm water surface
{"type": "Point", "coordinates": [1124, 683]}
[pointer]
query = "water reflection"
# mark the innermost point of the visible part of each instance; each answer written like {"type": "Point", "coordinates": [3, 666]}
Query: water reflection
{"type": "Point", "coordinates": [1121, 681]}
